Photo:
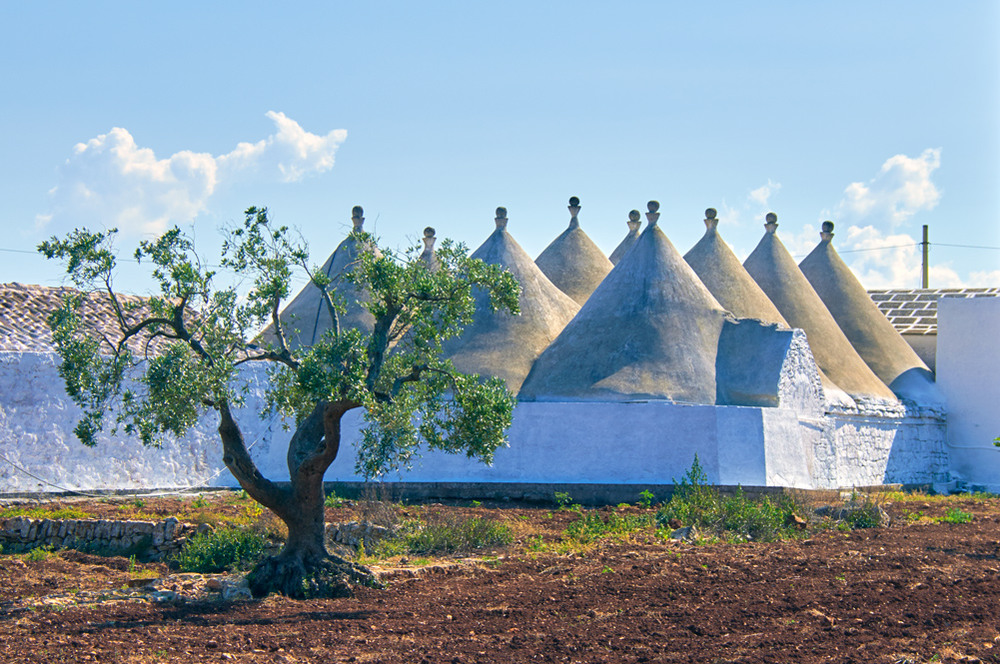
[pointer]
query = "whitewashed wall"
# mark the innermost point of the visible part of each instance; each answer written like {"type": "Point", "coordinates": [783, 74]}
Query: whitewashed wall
{"type": "Point", "coordinates": [36, 438]}
{"type": "Point", "coordinates": [968, 373]}
{"type": "Point", "coordinates": [635, 443]}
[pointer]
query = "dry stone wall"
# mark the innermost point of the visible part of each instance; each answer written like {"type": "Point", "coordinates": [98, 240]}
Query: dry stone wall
{"type": "Point", "coordinates": [147, 540]}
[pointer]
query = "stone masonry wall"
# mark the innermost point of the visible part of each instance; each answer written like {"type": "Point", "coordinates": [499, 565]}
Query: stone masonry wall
{"type": "Point", "coordinates": [147, 540]}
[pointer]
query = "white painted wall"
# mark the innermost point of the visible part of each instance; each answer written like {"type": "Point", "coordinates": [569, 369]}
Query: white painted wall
{"type": "Point", "coordinates": [36, 438]}
{"type": "Point", "coordinates": [968, 373]}
{"type": "Point", "coordinates": [550, 442]}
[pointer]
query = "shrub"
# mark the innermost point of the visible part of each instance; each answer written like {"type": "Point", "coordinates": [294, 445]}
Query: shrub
{"type": "Point", "coordinates": [955, 515]}
{"type": "Point", "coordinates": [221, 550]}
{"type": "Point", "coordinates": [696, 503]}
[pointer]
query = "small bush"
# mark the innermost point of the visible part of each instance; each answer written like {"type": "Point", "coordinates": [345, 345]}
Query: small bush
{"type": "Point", "coordinates": [39, 553]}
{"type": "Point", "coordinates": [333, 500]}
{"type": "Point", "coordinates": [222, 550]}
{"type": "Point", "coordinates": [955, 515]}
{"type": "Point", "coordinates": [696, 503]}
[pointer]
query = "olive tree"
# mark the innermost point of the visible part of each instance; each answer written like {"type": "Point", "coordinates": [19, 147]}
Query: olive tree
{"type": "Point", "coordinates": [177, 356]}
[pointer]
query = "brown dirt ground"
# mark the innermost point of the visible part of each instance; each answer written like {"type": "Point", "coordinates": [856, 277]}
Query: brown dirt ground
{"type": "Point", "coordinates": [913, 592]}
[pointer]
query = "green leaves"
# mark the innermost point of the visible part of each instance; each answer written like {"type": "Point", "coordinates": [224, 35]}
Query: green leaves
{"type": "Point", "coordinates": [194, 336]}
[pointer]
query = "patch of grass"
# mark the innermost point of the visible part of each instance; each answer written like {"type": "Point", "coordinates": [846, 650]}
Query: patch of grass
{"type": "Point", "coordinates": [955, 515]}
{"type": "Point", "coordinates": [221, 550]}
{"type": "Point", "coordinates": [590, 527]}
{"type": "Point", "coordinates": [456, 535]}
{"type": "Point", "coordinates": [45, 513]}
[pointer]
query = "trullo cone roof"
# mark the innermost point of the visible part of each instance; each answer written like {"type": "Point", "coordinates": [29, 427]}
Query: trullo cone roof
{"type": "Point", "coordinates": [572, 261]}
{"type": "Point", "coordinates": [306, 317]}
{"type": "Point", "coordinates": [629, 240]}
{"type": "Point", "coordinates": [649, 331]}
{"type": "Point", "coordinates": [726, 278]}
{"type": "Point", "coordinates": [499, 344]}
{"type": "Point", "coordinates": [869, 331]}
{"type": "Point", "coordinates": [775, 271]}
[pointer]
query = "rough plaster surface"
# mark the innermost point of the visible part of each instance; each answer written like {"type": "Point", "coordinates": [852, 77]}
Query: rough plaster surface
{"type": "Point", "coordinates": [968, 373]}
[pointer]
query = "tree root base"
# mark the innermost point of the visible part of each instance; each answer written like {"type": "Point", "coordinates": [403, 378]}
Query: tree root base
{"type": "Point", "coordinates": [309, 576]}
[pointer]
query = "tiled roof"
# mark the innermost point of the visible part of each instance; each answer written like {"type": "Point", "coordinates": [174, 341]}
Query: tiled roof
{"type": "Point", "coordinates": [914, 310]}
{"type": "Point", "coordinates": [24, 309]}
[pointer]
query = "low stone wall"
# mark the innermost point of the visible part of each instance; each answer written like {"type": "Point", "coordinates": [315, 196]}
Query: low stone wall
{"type": "Point", "coordinates": [147, 540]}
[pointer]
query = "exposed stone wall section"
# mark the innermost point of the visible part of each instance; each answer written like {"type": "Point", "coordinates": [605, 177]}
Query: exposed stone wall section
{"type": "Point", "coordinates": [147, 540]}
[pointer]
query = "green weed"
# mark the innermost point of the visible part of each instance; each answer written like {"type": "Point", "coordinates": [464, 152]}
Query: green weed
{"type": "Point", "coordinates": [40, 553]}
{"type": "Point", "coordinates": [734, 518]}
{"type": "Point", "coordinates": [646, 498]}
{"type": "Point", "coordinates": [955, 515]}
{"type": "Point", "coordinates": [220, 551]}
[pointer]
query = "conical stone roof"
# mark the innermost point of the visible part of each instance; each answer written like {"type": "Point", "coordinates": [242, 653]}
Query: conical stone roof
{"type": "Point", "coordinates": [650, 331]}
{"type": "Point", "coordinates": [306, 317]}
{"type": "Point", "coordinates": [869, 331]}
{"type": "Point", "coordinates": [726, 278]}
{"type": "Point", "coordinates": [633, 234]}
{"type": "Point", "coordinates": [572, 261]}
{"type": "Point", "coordinates": [775, 271]}
{"type": "Point", "coordinates": [497, 343]}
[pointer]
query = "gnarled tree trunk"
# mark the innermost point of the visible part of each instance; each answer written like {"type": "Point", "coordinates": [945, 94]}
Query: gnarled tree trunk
{"type": "Point", "coordinates": [304, 567]}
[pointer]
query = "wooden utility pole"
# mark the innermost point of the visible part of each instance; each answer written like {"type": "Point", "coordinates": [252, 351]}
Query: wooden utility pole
{"type": "Point", "coordinates": [925, 282]}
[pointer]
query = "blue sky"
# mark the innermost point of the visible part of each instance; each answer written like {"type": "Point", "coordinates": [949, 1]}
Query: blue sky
{"type": "Point", "coordinates": [880, 116]}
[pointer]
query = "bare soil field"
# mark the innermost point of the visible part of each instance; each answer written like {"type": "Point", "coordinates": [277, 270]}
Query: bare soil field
{"type": "Point", "coordinates": [919, 590]}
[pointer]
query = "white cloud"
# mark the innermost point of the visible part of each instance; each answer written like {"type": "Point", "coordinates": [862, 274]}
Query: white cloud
{"type": "Point", "coordinates": [893, 261]}
{"type": "Point", "coordinates": [901, 188]}
{"type": "Point", "coordinates": [109, 181]}
{"type": "Point", "coordinates": [761, 194]}
{"type": "Point", "coordinates": [289, 154]}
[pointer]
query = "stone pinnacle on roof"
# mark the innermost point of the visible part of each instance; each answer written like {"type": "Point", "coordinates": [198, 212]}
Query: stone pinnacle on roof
{"type": "Point", "coordinates": [649, 331]}
{"type": "Point", "coordinates": [497, 343]}
{"type": "Point", "coordinates": [306, 318]}
{"type": "Point", "coordinates": [633, 233]}
{"type": "Point", "coordinates": [869, 331]}
{"type": "Point", "coordinates": [572, 261]}
{"type": "Point", "coordinates": [775, 271]}
{"type": "Point", "coordinates": [428, 256]}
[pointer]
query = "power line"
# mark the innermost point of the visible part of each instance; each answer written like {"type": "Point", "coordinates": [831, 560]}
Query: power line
{"type": "Point", "coordinates": [963, 246]}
